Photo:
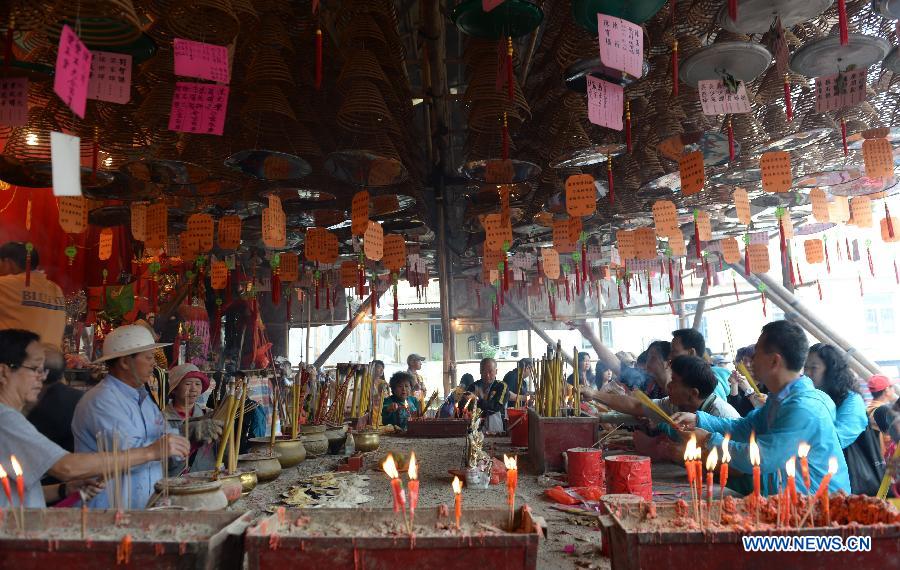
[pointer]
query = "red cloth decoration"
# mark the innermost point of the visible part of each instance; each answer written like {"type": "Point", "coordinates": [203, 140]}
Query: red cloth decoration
{"type": "Point", "coordinates": [276, 288]}
{"type": "Point", "coordinates": [730, 140]}
{"type": "Point", "coordinates": [732, 10]}
{"type": "Point", "coordinates": [318, 59]}
{"type": "Point", "coordinates": [675, 68]}
{"type": "Point", "coordinates": [609, 180]}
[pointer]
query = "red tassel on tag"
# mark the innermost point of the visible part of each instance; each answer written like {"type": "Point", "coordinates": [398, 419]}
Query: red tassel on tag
{"type": "Point", "coordinates": [510, 90]}
{"type": "Point", "coordinates": [675, 68]}
{"type": "Point", "coordinates": [28, 248]}
{"type": "Point", "coordinates": [276, 288]}
{"type": "Point", "coordinates": [568, 291]}
{"type": "Point", "coordinates": [819, 286]}
{"type": "Point", "coordinates": [842, 22]}
{"type": "Point", "coordinates": [502, 294]}
{"type": "Point", "coordinates": [619, 289]}
{"type": "Point", "coordinates": [734, 282]}
{"type": "Point", "coordinates": [327, 297]}
{"type": "Point", "coordinates": [859, 276]}
{"type": "Point", "coordinates": [847, 245]}
{"type": "Point", "coordinates": [788, 105]}
{"type": "Point", "coordinates": [505, 148]}
{"type": "Point", "coordinates": [396, 304]}
{"type": "Point", "coordinates": [730, 140]}
{"type": "Point", "coordinates": [577, 280]}
{"type": "Point", "coordinates": [609, 180]}
{"type": "Point", "coordinates": [628, 126]}
{"type": "Point", "coordinates": [799, 275]}
{"type": "Point", "coordinates": [844, 137]}
{"type": "Point", "coordinates": [639, 284]}
{"type": "Point", "coordinates": [671, 277]}
{"type": "Point", "coordinates": [732, 10]}
{"type": "Point", "coordinates": [552, 307]}
{"type": "Point", "coordinates": [671, 305]}
{"type": "Point", "coordinates": [764, 304]}
{"type": "Point", "coordinates": [318, 59]}
{"type": "Point", "coordinates": [827, 260]}
{"type": "Point", "coordinates": [506, 276]}
{"type": "Point", "coordinates": [627, 290]}
{"type": "Point", "coordinates": [747, 259]}
{"type": "Point", "coordinates": [584, 261]}
{"type": "Point", "coordinates": [888, 221]}
{"type": "Point", "coordinates": [707, 271]}
{"type": "Point", "coordinates": [681, 280]}
{"type": "Point", "coordinates": [649, 290]}
{"type": "Point", "coordinates": [871, 264]}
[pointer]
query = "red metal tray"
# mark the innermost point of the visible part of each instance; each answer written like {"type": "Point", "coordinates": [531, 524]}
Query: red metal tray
{"type": "Point", "coordinates": [292, 547]}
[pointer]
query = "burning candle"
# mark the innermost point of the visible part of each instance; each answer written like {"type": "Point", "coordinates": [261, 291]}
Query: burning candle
{"type": "Point", "coordinates": [723, 472]}
{"type": "Point", "coordinates": [20, 481]}
{"type": "Point", "coordinates": [457, 491]}
{"type": "Point", "coordinates": [390, 469]}
{"type": "Point", "coordinates": [790, 491]}
{"type": "Point", "coordinates": [802, 452]}
{"type": "Point", "coordinates": [755, 461]}
{"type": "Point", "coordinates": [512, 480]}
{"type": "Point", "coordinates": [413, 485]}
{"type": "Point", "coordinates": [711, 459]}
{"type": "Point", "coordinates": [6, 489]}
{"type": "Point", "coordinates": [689, 452]}
{"type": "Point", "coordinates": [822, 491]}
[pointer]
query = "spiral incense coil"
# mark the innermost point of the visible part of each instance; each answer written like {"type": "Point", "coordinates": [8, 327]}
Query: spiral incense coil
{"type": "Point", "coordinates": [103, 24]}
{"type": "Point", "coordinates": [209, 21]}
{"type": "Point", "coordinates": [269, 66]}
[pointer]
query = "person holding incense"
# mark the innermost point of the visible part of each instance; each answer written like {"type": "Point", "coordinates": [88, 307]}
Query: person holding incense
{"type": "Point", "coordinates": [585, 372]}
{"type": "Point", "coordinates": [121, 415]}
{"type": "Point", "coordinates": [794, 412]}
{"type": "Point", "coordinates": [631, 374]}
{"type": "Point", "coordinates": [491, 394]}
{"type": "Point", "coordinates": [186, 383]}
{"type": "Point", "coordinates": [741, 394]}
{"type": "Point", "coordinates": [399, 407]}
{"type": "Point", "coordinates": [691, 342]}
{"type": "Point", "coordinates": [518, 380]}
{"type": "Point", "coordinates": [21, 374]}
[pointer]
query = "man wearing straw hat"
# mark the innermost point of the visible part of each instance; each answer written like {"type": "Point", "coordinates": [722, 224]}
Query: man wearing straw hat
{"type": "Point", "coordinates": [118, 414]}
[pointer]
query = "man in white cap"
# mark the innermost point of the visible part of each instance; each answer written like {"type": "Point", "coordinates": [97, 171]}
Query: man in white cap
{"type": "Point", "coordinates": [414, 364]}
{"type": "Point", "coordinates": [119, 411]}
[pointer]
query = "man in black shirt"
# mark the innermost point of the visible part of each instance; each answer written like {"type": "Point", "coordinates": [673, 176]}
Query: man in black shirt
{"type": "Point", "coordinates": [519, 380]}
{"type": "Point", "coordinates": [491, 396]}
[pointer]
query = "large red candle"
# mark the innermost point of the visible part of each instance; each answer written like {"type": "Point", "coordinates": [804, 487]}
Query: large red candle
{"type": "Point", "coordinates": [6, 488]}
{"type": "Point", "coordinates": [802, 452]}
{"type": "Point", "coordinates": [711, 459]}
{"type": "Point", "coordinates": [755, 461]}
{"type": "Point", "coordinates": [512, 480]}
{"type": "Point", "coordinates": [413, 484]}
{"type": "Point", "coordinates": [20, 481]}
{"type": "Point", "coordinates": [457, 491]}
{"type": "Point", "coordinates": [390, 468]}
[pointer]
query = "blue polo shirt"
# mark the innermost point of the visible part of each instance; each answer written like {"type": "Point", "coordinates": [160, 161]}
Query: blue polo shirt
{"type": "Point", "coordinates": [113, 407]}
{"type": "Point", "coordinates": [797, 413]}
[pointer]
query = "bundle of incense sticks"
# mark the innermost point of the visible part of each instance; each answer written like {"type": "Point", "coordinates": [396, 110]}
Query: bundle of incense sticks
{"type": "Point", "coordinates": [431, 400]}
{"type": "Point", "coordinates": [645, 399]}
{"type": "Point", "coordinates": [116, 470]}
{"type": "Point", "coordinates": [746, 374]}
{"type": "Point", "coordinates": [551, 385]}
{"type": "Point", "coordinates": [576, 382]}
{"type": "Point", "coordinates": [241, 402]}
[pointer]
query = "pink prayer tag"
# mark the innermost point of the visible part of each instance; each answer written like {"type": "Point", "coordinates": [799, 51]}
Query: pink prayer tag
{"type": "Point", "coordinates": [200, 60]}
{"type": "Point", "coordinates": [835, 92]}
{"type": "Point", "coordinates": [73, 69]}
{"type": "Point", "coordinates": [716, 99]}
{"type": "Point", "coordinates": [13, 101]}
{"type": "Point", "coordinates": [621, 44]}
{"type": "Point", "coordinates": [110, 77]}
{"type": "Point", "coordinates": [199, 108]}
{"type": "Point", "coordinates": [605, 103]}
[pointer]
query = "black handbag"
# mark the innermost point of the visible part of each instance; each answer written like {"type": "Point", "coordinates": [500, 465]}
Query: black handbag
{"type": "Point", "coordinates": [865, 463]}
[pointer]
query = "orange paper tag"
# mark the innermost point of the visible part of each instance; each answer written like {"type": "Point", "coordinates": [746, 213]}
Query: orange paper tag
{"type": "Point", "coordinates": [201, 227]}
{"type": "Point", "coordinates": [671, 148]}
{"type": "Point", "coordinates": [330, 253]}
{"type": "Point", "coordinates": [787, 224]}
{"type": "Point", "coordinates": [72, 214]}
{"type": "Point", "coordinates": [349, 275]}
{"type": "Point", "coordinates": [692, 173]}
{"type": "Point", "coordinates": [157, 225]}
{"type": "Point", "coordinates": [665, 216]}
{"type": "Point", "coordinates": [885, 234]}
{"type": "Point", "coordinates": [861, 211]}
{"type": "Point", "coordinates": [645, 243]}
{"type": "Point", "coordinates": [742, 205]}
{"type": "Point", "coordinates": [218, 275]}
{"type": "Point", "coordinates": [394, 252]}
{"type": "Point", "coordinates": [496, 233]}
{"type": "Point", "coordinates": [550, 262]}
{"type": "Point", "coordinates": [314, 244]}
{"type": "Point", "coordinates": [815, 250]}
{"type": "Point", "coordinates": [704, 226]}
{"type": "Point", "coordinates": [273, 227]}
{"type": "Point", "coordinates": [230, 232]}
{"type": "Point", "coordinates": [504, 192]}
{"type": "Point", "coordinates": [288, 267]}
{"type": "Point", "coordinates": [106, 244]}
{"type": "Point", "coordinates": [625, 244]}
{"type": "Point", "coordinates": [498, 172]}
{"type": "Point", "coordinates": [384, 172]}
{"type": "Point", "coordinates": [384, 204]}
{"type": "Point", "coordinates": [839, 210]}
{"type": "Point", "coordinates": [139, 221]}
{"type": "Point", "coordinates": [678, 246]}
{"type": "Point", "coordinates": [373, 241]}
{"type": "Point", "coordinates": [189, 246]}
{"type": "Point", "coordinates": [562, 236]}
{"type": "Point", "coordinates": [581, 195]}
{"type": "Point", "coordinates": [730, 251]}
{"type": "Point", "coordinates": [819, 201]}
{"type": "Point", "coordinates": [359, 213]}
{"type": "Point", "coordinates": [275, 203]}
{"type": "Point", "coordinates": [878, 157]}
{"type": "Point", "coordinates": [776, 171]}
{"type": "Point", "coordinates": [759, 257]}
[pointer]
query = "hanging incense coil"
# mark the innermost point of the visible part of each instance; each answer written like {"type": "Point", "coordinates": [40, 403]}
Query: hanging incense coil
{"type": "Point", "coordinates": [269, 66]}
{"type": "Point", "coordinates": [277, 34]}
{"type": "Point", "coordinates": [102, 24]}
{"type": "Point", "coordinates": [32, 141]}
{"type": "Point", "coordinates": [363, 110]}
{"type": "Point", "coordinates": [26, 16]}
{"type": "Point", "coordinates": [771, 85]}
{"type": "Point", "coordinates": [209, 21]}
{"type": "Point", "coordinates": [361, 64]}
{"type": "Point", "coordinates": [267, 110]}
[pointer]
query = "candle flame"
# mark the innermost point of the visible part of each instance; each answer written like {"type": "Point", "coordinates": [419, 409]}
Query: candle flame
{"type": "Point", "coordinates": [413, 470]}
{"type": "Point", "coordinates": [690, 448]}
{"type": "Point", "coordinates": [803, 449]}
{"type": "Point", "coordinates": [754, 450]}
{"type": "Point", "coordinates": [457, 485]}
{"type": "Point", "coordinates": [790, 468]}
{"type": "Point", "coordinates": [2, 472]}
{"type": "Point", "coordinates": [833, 465]}
{"type": "Point", "coordinates": [726, 455]}
{"type": "Point", "coordinates": [510, 462]}
{"type": "Point", "coordinates": [17, 469]}
{"type": "Point", "coordinates": [390, 467]}
{"type": "Point", "coordinates": [711, 459]}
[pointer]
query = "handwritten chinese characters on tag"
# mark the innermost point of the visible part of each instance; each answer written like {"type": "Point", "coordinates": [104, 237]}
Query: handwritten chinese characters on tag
{"type": "Point", "coordinates": [200, 60]}
{"type": "Point", "coordinates": [716, 99]}
{"type": "Point", "coordinates": [110, 77]}
{"type": "Point", "coordinates": [199, 108]}
{"type": "Point", "coordinates": [776, 171]}
{"type": "Point", "coordinates": [621, 44]}
{"type": "Point", "coordinates": [692, 173]}
{"type": "Point", "coordinates": [834, 92]}
{"type": "Point", "coordinates": [73, 70]}
{"type": "Point", "coordinates": [13, 101]}
{"type": "Point", "coordinates": [605, 103]}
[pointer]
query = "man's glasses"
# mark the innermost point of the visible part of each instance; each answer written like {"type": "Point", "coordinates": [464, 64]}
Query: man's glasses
{"type": "Point", "coordinates": [38, 370]}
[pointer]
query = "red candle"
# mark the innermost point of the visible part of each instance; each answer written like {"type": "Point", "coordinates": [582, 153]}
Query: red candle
{"type": "Point", "coordinates": [755, 461]}
{"type": "Point", "coordinates": [512, 480]}
{"type": "Point", "coordinates": [6, 488]}
{"type": "Point", "coordinates": [802, 452]}
{"type": "Point", "coordinates": [413, 484]}
{"type": "Point", "coordinates": [457, 491]}
{"type": "Point", "coordinates": [390, 468]}
{"type": "Point", "coordinates": [20, 481]}
{"type": "Point", "coordinates": [822, 491]}
{"type": "Point", "coordinates": [711, 459]}
{"type": "Point", "coordinates": [726, 457]}
{"type": "Point", "coordinates": [790, 491]}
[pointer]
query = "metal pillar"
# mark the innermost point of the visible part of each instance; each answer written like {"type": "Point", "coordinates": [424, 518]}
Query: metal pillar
{"type": "Point", "coordinates": [701, 304]}
{"type": "Point", "coordinates": [527, 318]}
{"type": "Point", "coordinates": [345, 332]}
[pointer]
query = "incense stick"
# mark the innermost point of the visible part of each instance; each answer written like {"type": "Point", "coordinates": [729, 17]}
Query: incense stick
{"type": "Point", "coordinates": [645, 400]}
{"type": "Point", "coordinates": [746, 374]}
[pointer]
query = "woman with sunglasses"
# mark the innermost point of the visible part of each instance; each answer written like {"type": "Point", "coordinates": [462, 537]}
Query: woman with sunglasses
{"type": "Point", "coordinates": [21, 374]}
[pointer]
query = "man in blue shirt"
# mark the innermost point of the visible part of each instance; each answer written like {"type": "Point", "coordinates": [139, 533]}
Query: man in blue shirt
{"type": "Point", "coordinates": [690, 342]}
{"type": "Point", "coordinates": [120, 413]}
{"type": "Point", "coordinates": [795, 412]}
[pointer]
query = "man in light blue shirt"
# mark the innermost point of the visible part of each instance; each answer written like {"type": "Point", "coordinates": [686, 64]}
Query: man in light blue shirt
{"type": "Point", "coordinates": [120, 413]}
{"type": "Point", "coordinates": [795, 412]}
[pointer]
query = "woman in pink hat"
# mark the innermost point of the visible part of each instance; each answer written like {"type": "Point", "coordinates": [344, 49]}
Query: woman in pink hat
{"type": "Point", "coordinates": [186, 384]}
